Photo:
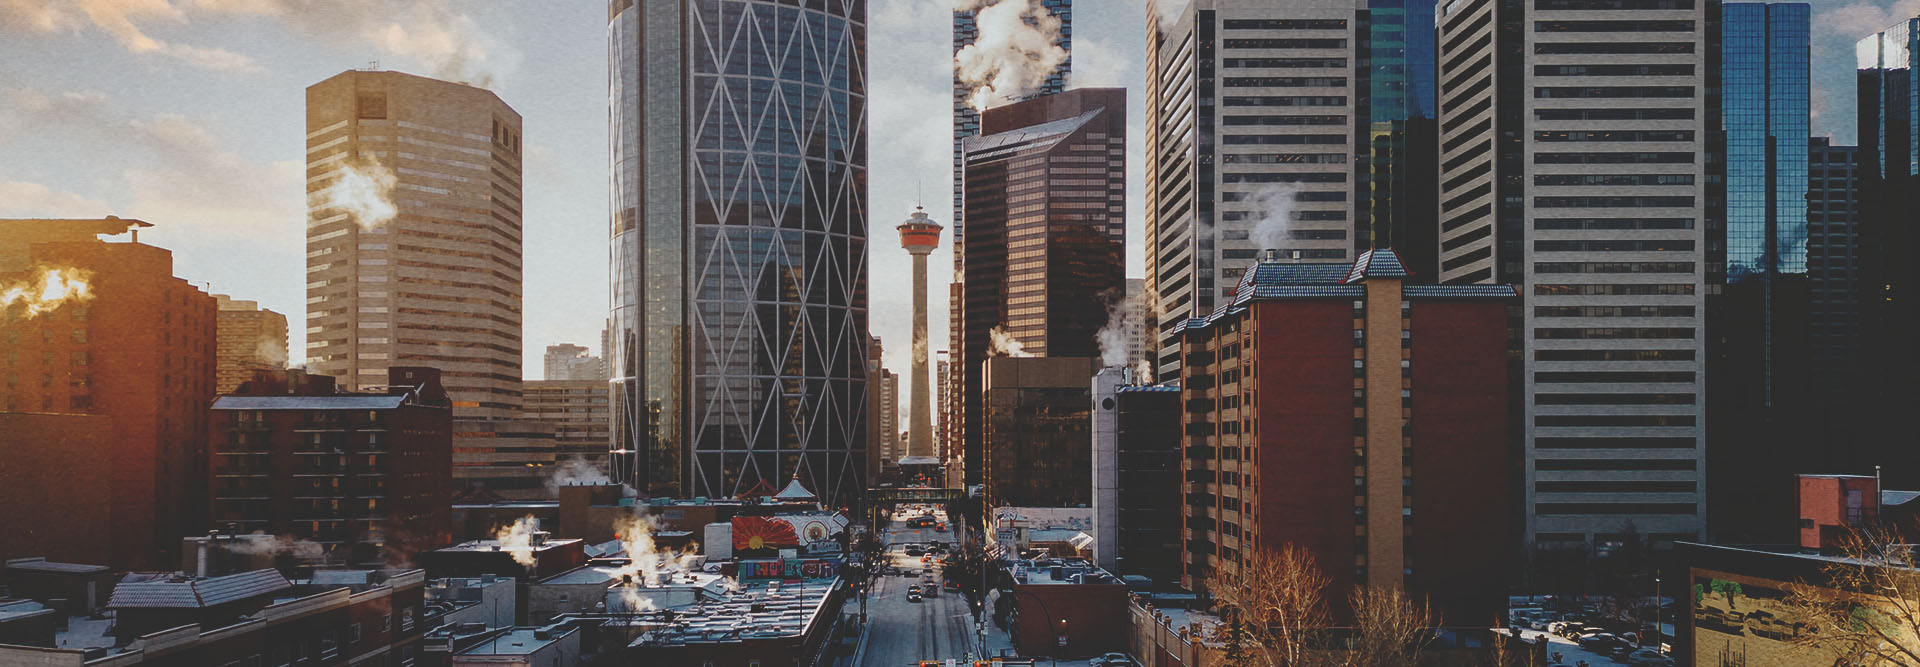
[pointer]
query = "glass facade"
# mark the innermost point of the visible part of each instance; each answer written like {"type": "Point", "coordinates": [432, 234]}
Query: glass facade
{"type": "Point", "coordinates": [1396, 120]}
{"type": "Point", "coordinates": [738, 237]}
{"type": "Point", "coordinates": [966, 119]}
{"type": "Point", "coordinates": [1764, 102]}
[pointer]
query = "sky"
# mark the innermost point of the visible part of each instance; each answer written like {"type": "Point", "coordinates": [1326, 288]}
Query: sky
{"type": "Point", "coordinates": [190, 114]}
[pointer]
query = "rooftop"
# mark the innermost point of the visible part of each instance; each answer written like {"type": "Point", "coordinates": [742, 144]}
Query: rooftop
{"type": "Point", "coordinates": [1065, 572]}
{"type": "Point", "coordinates": [491, 545]}
{"type": "Point", "coordinates": [341, 402]}
{"type": "Point", "coordinates": [519, 641]}
{"type": "Point", "coordinates": [758, 611]}
{"type": "Point", "coordinates": [170, 591]}
{"type": "Point", "coordinates": [44, 565]}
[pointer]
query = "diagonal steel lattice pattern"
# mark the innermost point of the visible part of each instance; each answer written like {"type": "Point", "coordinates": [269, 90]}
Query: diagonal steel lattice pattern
{"type": "Point", "coordinates": [740, 305]}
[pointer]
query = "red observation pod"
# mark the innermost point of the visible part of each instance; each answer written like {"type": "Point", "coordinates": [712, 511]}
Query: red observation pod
{"type": "Point", "coordinates": [919, 234]}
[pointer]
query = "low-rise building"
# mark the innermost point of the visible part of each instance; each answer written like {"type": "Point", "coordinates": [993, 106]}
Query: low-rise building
{"type": "Point", "coordinates": [364, 476]}
{"type": "Point", "coordinates": [257, 617]}
{"type": "Point", "coordinates": [524, 647]}
{"type": "Point", "coordinates": [524, 558]}
{"type": "Point", "coordinates": [486, 600]}
{"type": "Point", "coordinates": [1066, 609]}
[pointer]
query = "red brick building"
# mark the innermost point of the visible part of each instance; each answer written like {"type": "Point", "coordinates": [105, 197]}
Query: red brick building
{"type": "Point", "coordinates": [1344, 411]}
{"type": "Point", "coordinates": [368, 476]}
{"type": "Point", "coordinates": [53, 460]}
{"type": "Point", "coordinates": [135, 344]}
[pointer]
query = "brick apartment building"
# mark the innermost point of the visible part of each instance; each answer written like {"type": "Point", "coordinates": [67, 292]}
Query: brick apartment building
{"type": "Point", "coordinates": [368, 476]}
{"type": "Point", "coordinates": [1343, 411]}
{"type": "Point", "coordinates": [138, 347]}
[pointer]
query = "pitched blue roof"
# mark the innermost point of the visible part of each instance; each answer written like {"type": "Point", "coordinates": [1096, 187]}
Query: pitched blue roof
{"type": "Point", "coordinates": [1377, 263]}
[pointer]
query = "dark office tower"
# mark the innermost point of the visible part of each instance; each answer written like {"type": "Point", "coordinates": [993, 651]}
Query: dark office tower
{"type": "Point", "coordinates": [966, 119]}
{"type": "Point", "coordinates": [739, 244]}
{"type": "Point", "coordinates": [1756, 333]}
{"type": "Point", "coordinates": [1303, 126]}
{"type": "Point", "coordinates": [1574, 156]}
{"type": "Point", "coordinates": [1889, 108]}
{"type": "Point", "coordinates": [1834, 284]}
{"type": "Point", "coordinates": [1395, 208]}
{"type": "Point", "coordinates": [1046, 184]}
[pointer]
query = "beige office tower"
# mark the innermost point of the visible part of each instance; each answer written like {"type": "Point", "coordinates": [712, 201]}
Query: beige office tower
{"type": "Point", "coordinates": [413, 236]}
{"type": "Point", "coordinates": [250, 338]}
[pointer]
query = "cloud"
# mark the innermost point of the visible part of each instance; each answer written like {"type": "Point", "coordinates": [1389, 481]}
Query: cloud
{"type": "Point", "coordinates": [21, 199]}
{"type": "Point", "coordinates": [1856, 20]}
{"type": "Point", "coordinates": [121, 19]}
{"type": "Point", "coordinates": [429, 33]}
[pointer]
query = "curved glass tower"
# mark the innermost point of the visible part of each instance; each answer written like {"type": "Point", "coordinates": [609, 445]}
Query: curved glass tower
{"type": "Point", "coordinates": [738, 240]}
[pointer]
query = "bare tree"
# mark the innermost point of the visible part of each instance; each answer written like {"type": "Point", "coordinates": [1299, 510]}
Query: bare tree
{"type": "Point", "coordinates": [1390, 628]}
{"type": "Point", "coordinates": [1274, 600]}
{"type": "Point", "coordinates": [1867, 612]}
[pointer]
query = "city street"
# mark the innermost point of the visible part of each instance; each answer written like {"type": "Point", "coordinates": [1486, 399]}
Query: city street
{"type": "Point", "coordinates": [902, 633]}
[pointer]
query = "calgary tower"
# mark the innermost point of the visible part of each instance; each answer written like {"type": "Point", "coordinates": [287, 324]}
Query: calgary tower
{"type": "Point", "coordinates": [919, 235]}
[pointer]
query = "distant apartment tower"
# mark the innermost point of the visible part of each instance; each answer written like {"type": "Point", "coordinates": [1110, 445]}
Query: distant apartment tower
{"type": "Point", "coordinates": [1835, 283]}
{"type": "Point", "coordinates": [1889, 176]}
{"type": "Point", "coordinates": [1575, 154]}
{"type": "Point", "coordinates": [890, 440]}
{"type": "Point", "coordinates": [877, 444]}
{"type": "Point", "coordinates": [739, 245]}
{"type": "Point", "coordinates": [945, 425]}
{"type": "Point", "coordinates": [567, 361]}
{"type": "Point", "coordinates": [139, 346]}
{"type": "Point", "coordinates": [1304, 126]}
{"type": "Point", "coordinates": [579, 412]}
{"type": "Point", "coordinates": [438, 284]}
{"type": "Point", "coordinates": [1341, 410]}
{"type": "Point", "coordinates": [966, 119]}
{"type": "Point", "coordinates": [1136, 469]}
{"type": "Point", "coordinates": [250, 338]}
{"type": "Point", "coordinates": [368, 476]}
{"type": "Point", "coordinates": [1758, 420]}
{"type": "Point", "coordinates": [1046, 186]}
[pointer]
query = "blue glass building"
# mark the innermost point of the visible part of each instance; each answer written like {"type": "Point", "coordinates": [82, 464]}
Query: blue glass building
{"type": "Point", "coordinates": [1764, 104]}
{"type": "Point", "coordinates": [1758, 425]}
{"type": "Point", "coordinates": [739, 245]}
{"type": "Point", "coordinates": [1397, 193]}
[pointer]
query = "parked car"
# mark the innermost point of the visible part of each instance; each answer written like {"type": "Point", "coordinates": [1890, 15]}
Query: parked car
{"type": "Point", "coordinates": [1540, 623]}
{"type": "Point", "coordinates": [915, 552]}
{"type": "Point", "coordinates": [1113, 660]}
{"type": "Point", "coordinates": [1595, 641]}
{"type": "Point", "coordinates": [1649, 658]}
{"type": "Point", "coordinates": [1621, 652]}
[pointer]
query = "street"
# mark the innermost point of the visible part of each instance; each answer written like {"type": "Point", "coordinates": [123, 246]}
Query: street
{"type": "Point", "coordinates": [902, 632]}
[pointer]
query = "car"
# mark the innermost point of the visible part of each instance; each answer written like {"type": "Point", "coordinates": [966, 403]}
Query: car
{"type": "Point", "coordinates": [1649, 658]}
{"type": "Point", "coordinates": [950, 585]}
{"type": "Point", "coordinates": [913, 596]}
{"type": "Point", "coordinates": [915, 551]}
{"type": "Point", "coordinates": [1539, 624]}
{"type": "Point", "coordinates": [1113, 660]}
{"type": "Point", "coordinates": [1621, 653]}
{"type": "Point", "coordinates": [1594, 641]}
{"type": "Point", "coordinates": [926, 558]}
{"type": "Point", "coordinates": [1556, 627]}
{"type": "Point", "coordinates": [930, 590]}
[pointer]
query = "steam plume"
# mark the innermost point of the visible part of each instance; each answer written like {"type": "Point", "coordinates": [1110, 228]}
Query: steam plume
{"type": "Point", "coordinates": [1003, 344]}
{"type": "Point", "coordinates": [270, 350]}
{"type": "Point", "coordinates": [50, 288]}
{"type": "Point", "coordinates": [280, 544]}
{"type": "Point", "coordinates": [573, 472]}
{"type": "Point", "coordinates": [1124, 324]}
{"type": "Point", "coordinates": [1014, 53]}
{"type": "Point", "coordinates": [1275, 205]}
{"type": "Point", "coordinates": [517, 539]}
{"type": "Point", "coordinates": [365, 191]}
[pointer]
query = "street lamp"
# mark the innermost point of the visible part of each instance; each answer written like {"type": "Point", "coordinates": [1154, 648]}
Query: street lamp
{"type": "Point", "coordinates": [1659, 634]}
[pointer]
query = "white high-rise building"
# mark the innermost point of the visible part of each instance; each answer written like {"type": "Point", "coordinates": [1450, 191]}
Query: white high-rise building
{"type": "Point", "coordinates": [1574, 163]}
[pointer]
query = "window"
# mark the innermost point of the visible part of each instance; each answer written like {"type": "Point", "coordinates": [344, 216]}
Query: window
{"type": "Point", "coordinates": [406, 620]}
{"type": "Point", "coordinates": [353, 634]}
{"type": "Point", "coordinates": [329, 645]}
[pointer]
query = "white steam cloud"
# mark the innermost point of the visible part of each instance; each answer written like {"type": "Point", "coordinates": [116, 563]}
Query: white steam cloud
{"type": "Point", "coordinates": [1013, 54]}
{"type": "Point", "coordinates": [259, 545]}
{"type": "Point", "coordinates": [365, 191]}
{"type": "Point", "coordinates": [270, 350]}
{"type": "Point", "coordinates": [517, 539]}
{"type": "Point", "coordinates": [1125, 321]}
{"type": "Point", "coordinates": [574, 471]}
{"type": "Point", "coordinates": [1003, 344]}
{"type": "Point", "coordinates": [1274, 205]}
{"type": "Point", "coordinates": [646, 561]}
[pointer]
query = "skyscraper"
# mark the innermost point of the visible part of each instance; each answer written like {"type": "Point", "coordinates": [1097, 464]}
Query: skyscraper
{"type": "Point", "coordinates": [1301, 126]}
{"type": "Point", "coordinates": [966, 119]}
{"type": "Point", "coordinates": [1574, 153]}
{"type": "Point", "coordinates": [1834, 283]}
{"type": "Point", "coordinates": [413, 236]}
{"type": "Point", "coordinates": [739, 232]}
{"type": "Point", "coordinates": [1889, 126]}
{"type": "Point", "coordinates": [1757, 325]}
{"type": "Point", "coordinates": [1047, 186]}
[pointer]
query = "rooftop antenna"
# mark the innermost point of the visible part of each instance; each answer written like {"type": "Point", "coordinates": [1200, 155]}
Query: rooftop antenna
{"type": "Point", "coordinates": [373, 65]}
